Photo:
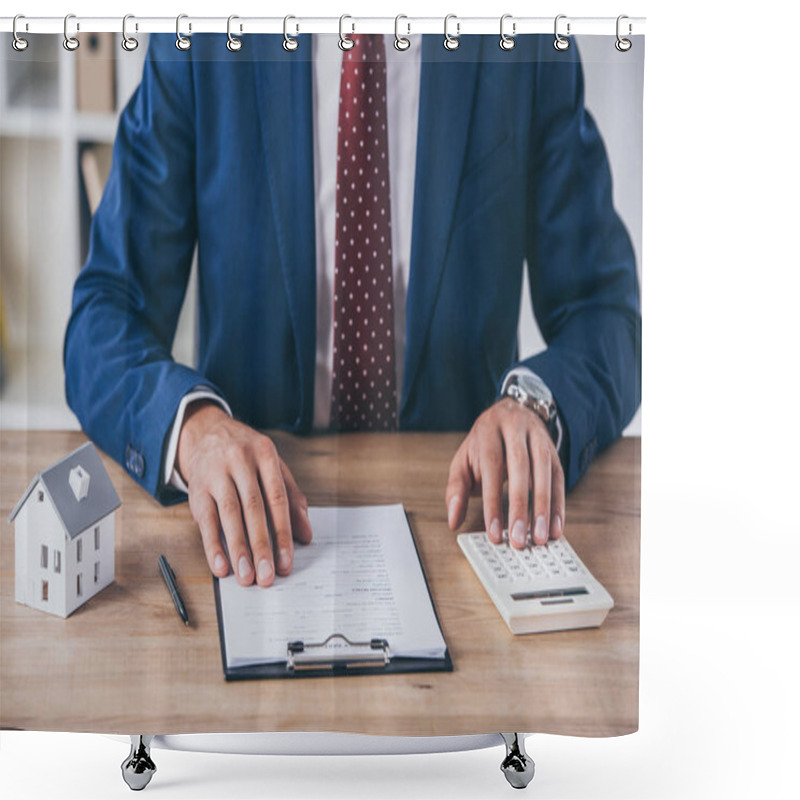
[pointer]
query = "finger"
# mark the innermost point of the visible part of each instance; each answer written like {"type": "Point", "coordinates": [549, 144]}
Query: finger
{"type": "Point", "coordinates": [492, 469]}
{"type": "Point", "coordinates": [459, 487]}
{"type": "Point", "coordinates": [255, 520]}
{"type": "Point", "coordinates": [277, 499]}
{"type": "Point", "coordinates": [298, 507]}
{"type": "Point", "coordinates": [518, 464]}
{"type": "Point", "coordinates": [558, 504]}
{"type": "Point", "coordinates": [542, 474]}
{"type": "Point", "coordinates": [230, 514]}
{"type": "Point", "coordinates": [204, 511]}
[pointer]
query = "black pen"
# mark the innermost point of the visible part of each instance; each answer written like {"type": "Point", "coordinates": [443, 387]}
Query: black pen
{"type": "Point", "coordinates": [169, 578]}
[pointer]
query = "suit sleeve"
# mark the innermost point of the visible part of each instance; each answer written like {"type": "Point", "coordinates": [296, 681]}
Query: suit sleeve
{"type": "Point", "coordinates": [121, 379]}
{"type": "Point", "coordinates": [582, 270]}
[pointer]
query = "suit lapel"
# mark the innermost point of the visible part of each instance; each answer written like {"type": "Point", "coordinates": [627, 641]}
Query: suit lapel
{"type": "Point", "coordinates": [447, 93]}
{"type": "Point", "coordinates": [284, 100]}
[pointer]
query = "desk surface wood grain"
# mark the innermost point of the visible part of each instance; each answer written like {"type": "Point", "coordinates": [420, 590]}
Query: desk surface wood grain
{"type": "Point", "coordinates": [124, 662]}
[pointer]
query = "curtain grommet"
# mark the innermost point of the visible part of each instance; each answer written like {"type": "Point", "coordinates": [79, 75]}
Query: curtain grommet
{"type": "Point", "coordinates": [622, 44]}
{"type": "Point", "coordinates": [345, 42]}
{"type": "Point", "coordinates": [560, 42]}
{"type": "Point", "coordinates": [71, 43]}
{"type": "Point", "coordinates": [129, 43]}
{"type": "Point", "coordinates": [401, 43]}
{"type": "Point", "coordinates": [18, 43]}
{"type": "Point", "coordinates": [233, 44]}
{"type": "Point", "coordinates": [451, 42]}
{"type": "Point", "coordinates": [290, 44]}
{"type": "Point", "coordinates": [182, 42]}
{"type": "Point", "coordinates": [507, 42]}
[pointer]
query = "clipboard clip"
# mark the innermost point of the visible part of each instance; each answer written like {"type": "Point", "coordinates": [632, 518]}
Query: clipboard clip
{"type": "Point", "coordinates": [342, 654]}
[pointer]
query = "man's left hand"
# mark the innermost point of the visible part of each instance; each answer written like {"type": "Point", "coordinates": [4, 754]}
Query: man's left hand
{"type": "Point", "coordinates": [509, 441]}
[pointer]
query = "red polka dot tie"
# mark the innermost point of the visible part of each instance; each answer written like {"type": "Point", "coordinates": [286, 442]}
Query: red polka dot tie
{"type": "Point", "coordinates": [363, 393]}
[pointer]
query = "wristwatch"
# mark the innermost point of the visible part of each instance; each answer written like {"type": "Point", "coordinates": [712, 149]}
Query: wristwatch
{"type": "Point", "coordinates": [531, 391]}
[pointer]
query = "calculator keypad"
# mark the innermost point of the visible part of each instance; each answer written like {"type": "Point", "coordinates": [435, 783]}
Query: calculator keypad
{"type": "Point", "coordinates": [507, 564]}
{"type": "Point", "coordinates": [537, 588]}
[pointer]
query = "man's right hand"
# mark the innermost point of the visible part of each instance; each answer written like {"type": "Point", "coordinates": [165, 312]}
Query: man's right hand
{"type": "Point", "coordinates": [238, 481]}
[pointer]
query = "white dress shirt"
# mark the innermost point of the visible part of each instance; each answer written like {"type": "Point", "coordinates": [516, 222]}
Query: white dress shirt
{"type": "Point", "coordinates": [402, 100]}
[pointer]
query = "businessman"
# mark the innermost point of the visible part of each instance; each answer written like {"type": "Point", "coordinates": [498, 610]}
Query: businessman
{"type": "Point", "coordinates": [361, 221]}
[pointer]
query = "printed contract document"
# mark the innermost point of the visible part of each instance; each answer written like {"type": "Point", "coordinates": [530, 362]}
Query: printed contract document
{"type": "Point", "coordinates": [360, 577]}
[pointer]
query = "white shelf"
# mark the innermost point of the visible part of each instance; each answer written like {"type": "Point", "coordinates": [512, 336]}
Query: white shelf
{"type": "Point", "coordinates": [95, 127]}
{"type": "Point", "coordinates": [32, 124]}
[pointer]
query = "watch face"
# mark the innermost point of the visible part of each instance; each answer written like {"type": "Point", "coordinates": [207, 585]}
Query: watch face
{"type": "Point", "coordinates": [535, 388]}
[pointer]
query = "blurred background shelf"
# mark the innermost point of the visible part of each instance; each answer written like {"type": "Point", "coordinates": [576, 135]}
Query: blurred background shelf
{"type": "Point", "coordinates": [55, 106]}
{"type": "Point", "coordinates": [96, 127]}
{"type": "Point", "coordinates": [32, 123]}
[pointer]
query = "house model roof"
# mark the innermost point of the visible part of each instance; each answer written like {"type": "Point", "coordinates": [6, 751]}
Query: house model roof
{"type": "Point", "coordinates": [80, 474]}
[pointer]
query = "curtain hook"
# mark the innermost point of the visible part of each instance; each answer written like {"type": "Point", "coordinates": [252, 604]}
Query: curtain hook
{"type": "Point", "coordinates": [507, 42]}
{"type": "Point", "coordinates": [18, 43]}
{"type": "Point", "coordinates": [71, 43]}
{"type": "Point", "coordinates": [233, 44]}
{"type": "Point", "coordinates": [451, 42]}
{"type": "Point", "coordinates": [560, 42]}
{"type": "Point", "coordinates": [400, 42]}
{"type": "Point", "coordinates": [290, 44]}
{"type": "Point", "coordinates": [345, 42]}
{"type": "Point", "coordinates": [128, 42]}
{"type": "Point", "coordinates": [623, 45]}
{"type": "Point", "coordinates": [182, 43]}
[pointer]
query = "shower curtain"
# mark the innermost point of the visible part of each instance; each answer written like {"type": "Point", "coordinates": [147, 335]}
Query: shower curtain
{"type": "Point", "coordinates": [322, 303]}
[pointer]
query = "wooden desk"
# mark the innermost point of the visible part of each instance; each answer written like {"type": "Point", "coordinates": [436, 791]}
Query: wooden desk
{"type": "Point", "coordinates": [124, 663]}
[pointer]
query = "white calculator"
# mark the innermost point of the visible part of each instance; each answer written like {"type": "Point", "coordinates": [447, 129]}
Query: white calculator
{"type": "Point", "coordinates": [537, 589]}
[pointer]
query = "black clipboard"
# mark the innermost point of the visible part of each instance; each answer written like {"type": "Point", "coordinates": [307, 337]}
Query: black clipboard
{"type": "Point", "coordinates": [305, 660]}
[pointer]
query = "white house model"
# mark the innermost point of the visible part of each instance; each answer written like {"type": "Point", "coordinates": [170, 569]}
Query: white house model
{"type": "Point", "coordinates": [64, 534]}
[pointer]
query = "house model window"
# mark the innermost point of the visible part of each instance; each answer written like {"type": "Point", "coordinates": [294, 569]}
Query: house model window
{"type": "Point", "coordinates": [43, 559]}
{"type": "Point", "coordinates": [79, 551]}
{"type": "Point", "coordinates": [56, 561]}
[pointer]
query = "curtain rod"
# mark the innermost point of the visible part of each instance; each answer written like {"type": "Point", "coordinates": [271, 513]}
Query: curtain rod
{"type": "Point", "coordinates": [456, 26]}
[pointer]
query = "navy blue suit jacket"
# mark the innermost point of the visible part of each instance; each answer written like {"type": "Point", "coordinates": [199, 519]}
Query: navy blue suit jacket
{"type": "Point", "coordinates": [215, 149]}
